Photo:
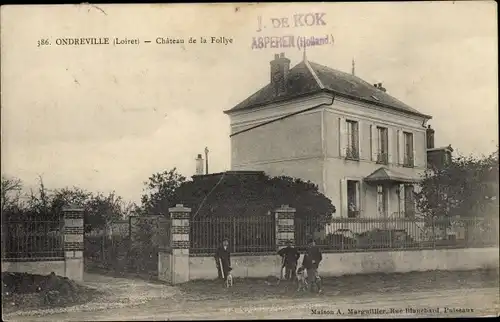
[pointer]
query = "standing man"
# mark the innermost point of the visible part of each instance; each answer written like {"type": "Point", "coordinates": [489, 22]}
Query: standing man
{"type": "Point", "coordinates": [223, 259]}
{"type": "Point", "coordinates": [311, 261]}
{"type": "Point", "coordinates": [290, 256]}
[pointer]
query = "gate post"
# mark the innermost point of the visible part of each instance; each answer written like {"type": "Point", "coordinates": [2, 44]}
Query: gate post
{"type": "Point", "coordinates": [285, 228]}
{"type": "Point", "coordinates": [173, 260]}
{"type": "Point", "coordinates": [73, 242]}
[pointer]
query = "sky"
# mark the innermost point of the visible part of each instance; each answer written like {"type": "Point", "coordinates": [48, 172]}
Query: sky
{"type": "Point", "coordinates": [105, 118]}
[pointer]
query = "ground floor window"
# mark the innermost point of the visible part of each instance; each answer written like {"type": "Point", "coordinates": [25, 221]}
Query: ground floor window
{"type": "Point", "coordinates": [409, 200]}
{"type": "Point", "coordinates": [382, 200]}
{"type": "Point", "coordinates": [353, 202]}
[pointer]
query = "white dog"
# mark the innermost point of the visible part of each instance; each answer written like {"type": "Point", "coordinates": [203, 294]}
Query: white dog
{"type": "Point", "coordinates": [301, 280]}
{"type": "Point", "coordinates": [229, 280]}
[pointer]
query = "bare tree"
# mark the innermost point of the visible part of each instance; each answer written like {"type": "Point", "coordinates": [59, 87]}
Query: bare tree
{"type": "Point", "coordinates": [11, 192]}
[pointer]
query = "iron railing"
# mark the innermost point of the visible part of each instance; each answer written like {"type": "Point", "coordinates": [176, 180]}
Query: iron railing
{"type": "Point", "coordinates": [32, 239]}
{"type": "Point", "coordinates": [382, 158]}
{"type": "Point", "coordinates": [254, 234]}
{"type": "Point", "coordinates": [358, 234]}
{"type": "Point", "coordinates": [352, 153]}
{"type": "Point", "coordinates": [408, 161]}
{"type": "Point", "coordinates": [121, 254]}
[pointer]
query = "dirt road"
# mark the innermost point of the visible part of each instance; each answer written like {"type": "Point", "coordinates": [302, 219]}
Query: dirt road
{"type": "Point", "coordinates": [477, 302]}
{"type": "Point", "coordinates": [471, 293]}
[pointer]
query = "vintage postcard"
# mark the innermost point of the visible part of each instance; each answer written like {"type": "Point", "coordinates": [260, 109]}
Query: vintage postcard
{"type": "Point", "coordinates": [249, 161]}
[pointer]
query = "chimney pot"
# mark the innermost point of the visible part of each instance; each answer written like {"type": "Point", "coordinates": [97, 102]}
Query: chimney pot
{"type": "Point", "coordinates": [430, 137]}
{"type": "Point", "coordinates": [199, 165]}
{"type": "Point", "coordinates": [282, 55]}
{"type": "Point", "coordinates": [276, 56]}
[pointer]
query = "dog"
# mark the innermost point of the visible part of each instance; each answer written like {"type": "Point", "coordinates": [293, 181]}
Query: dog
{"type": "Point", "coordinates": [302, 284]}
{"type": "Point", "coordinates": [229, 279]}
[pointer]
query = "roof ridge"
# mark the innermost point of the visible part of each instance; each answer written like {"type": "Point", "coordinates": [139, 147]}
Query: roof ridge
{"type": "Point", "coordinates": [314, 75]}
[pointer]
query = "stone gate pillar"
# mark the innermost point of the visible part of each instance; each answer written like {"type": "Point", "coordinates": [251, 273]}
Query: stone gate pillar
{"type": "Point", "coordinates": [73, 242]}
{"type": "Point", "coordinates": [285, 230]}
{"type": "Point", "coordinates": [173, 259]}
{"type": "Point", "coordinates": [285, 226]}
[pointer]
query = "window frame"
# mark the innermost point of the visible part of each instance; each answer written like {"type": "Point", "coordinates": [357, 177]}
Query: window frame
{"type": "Point", "coordinates": [353, 140]}
{"type": "Point", "coordinates": [411, 213]}
{"type": "Point", "coordinates": [385, 200]}
{"type": "Point", "coordinates": [357, 198]}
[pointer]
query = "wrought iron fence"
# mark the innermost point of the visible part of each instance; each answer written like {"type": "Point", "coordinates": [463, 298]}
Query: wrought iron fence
{"type": "Point", "coordinates": [356, 234]}
{"type": "Point", "coordinates": [133, 250]}
{"type": "Point", "coordinates": [32, 239]}
{"type": "Point", "coordinates": [120, 254]}
{"type": "Point", "coordinates": [254, 234]}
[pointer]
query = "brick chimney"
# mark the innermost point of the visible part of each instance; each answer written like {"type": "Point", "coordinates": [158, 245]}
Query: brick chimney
{"type": "Point", "coordinates": [430, 137]}
{"type": "Point", "coordinates": [280, 67]}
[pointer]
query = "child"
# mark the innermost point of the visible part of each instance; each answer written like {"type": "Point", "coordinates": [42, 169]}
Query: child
{"type": "Point", "coordinates": [290, 256]}
{"type": "Point", "coordinates": [311, 261]}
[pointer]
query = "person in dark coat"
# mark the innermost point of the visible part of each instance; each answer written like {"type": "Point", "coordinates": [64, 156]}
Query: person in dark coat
{"type": "Point", "coordinates": [290, 256]}
{"type": "Point", "coordinates": [311, 261]}
{"type": "Point", "coordinates": [223, 259]}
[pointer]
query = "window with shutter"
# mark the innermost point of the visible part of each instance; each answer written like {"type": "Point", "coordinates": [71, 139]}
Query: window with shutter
{"type": "Point", "coordinates": [352, 149]}
{"type": "Point", "coordinates": [408, 150]}
{"type": "Point", "coordinates": [353, 199]}
{"type": "Point", "coordinates": [382, 201]}
{"type": "Point", "coordinates": [382, 145]}
{"type": "Point", "coordinates": [409, 201]}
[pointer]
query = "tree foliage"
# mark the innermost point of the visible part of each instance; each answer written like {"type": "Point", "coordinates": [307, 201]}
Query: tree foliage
{"type": "Point", "coordinates": [237, 195]}
{"type": "Point", "coordinates": [47, 204]}
{"type": "Point", "coordinates": [467, 187]}
{"type": "Point", "coordinates": [160, 190]}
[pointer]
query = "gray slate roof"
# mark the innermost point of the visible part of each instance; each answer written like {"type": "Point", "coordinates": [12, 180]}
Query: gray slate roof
{"type": "Point", "coordinates": [301, 82]}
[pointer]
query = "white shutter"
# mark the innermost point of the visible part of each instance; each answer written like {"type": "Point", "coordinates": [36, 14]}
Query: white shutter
{"type": "Point", "coordinates": [343, 198]}
{"type": "Point", "coordinates": [417, 160]}
{"type": "Point", "coordinates": [360, 140]}
{"type": "Point", "coordinates": [358, 195]}
{"type": "Point", "coordinates": [389, 195]}
{"type": "Point", "coordinates": [390, 146]}
{"type": "Point", "coordinates": [374, 142]}
{"type": "Point", "coordinates": [343, 137]}
{"type": "Point", "coordinates": [401, 147]}
{"type": "Point", "coordinates": [401, 198]}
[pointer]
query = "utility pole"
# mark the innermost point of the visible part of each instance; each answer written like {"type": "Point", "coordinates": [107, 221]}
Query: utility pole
{"type": "Point", "coordinates": [206, 160]}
